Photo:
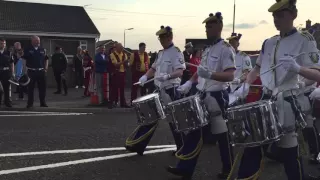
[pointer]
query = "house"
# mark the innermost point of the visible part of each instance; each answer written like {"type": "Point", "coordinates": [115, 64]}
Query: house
{"type": "Point", "coordinates": [57, 25]}
{"type": "Point", "coordinates": [316, 30]}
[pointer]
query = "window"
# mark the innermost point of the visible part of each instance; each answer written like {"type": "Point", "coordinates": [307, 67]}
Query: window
{"type": "Point", "coordinates": [83, 45]}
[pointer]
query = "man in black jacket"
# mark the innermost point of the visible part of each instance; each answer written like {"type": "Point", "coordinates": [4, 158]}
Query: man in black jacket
{"type": "Point", "coordinates": [59, 66]}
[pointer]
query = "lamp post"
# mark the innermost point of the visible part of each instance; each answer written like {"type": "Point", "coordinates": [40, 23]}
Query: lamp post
{"type": "Point", "coordinates": [124, 36]}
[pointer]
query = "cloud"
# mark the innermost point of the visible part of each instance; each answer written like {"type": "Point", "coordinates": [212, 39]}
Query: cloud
{"type": "Point", "coordinates": [246, 25]}
{"type": "Point", "coordinates": [242, 26]}
{"type": "Point", "coordinates": [263, 22]}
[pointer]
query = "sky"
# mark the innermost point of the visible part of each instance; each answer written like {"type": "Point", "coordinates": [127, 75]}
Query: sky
{"type": "Point", "coordinates": [253, 20]}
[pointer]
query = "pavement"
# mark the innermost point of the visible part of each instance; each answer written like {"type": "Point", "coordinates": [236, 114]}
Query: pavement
{"type": "Point", "coordinates": [61, 144]}
{"type": "Point", "coordinates": [72, 102]}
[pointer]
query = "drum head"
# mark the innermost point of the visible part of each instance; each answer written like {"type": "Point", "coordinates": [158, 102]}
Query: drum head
{"type": "Point", "coordinates": [183, 99]}
{"type": "Point", "coordinates": [146, 97]}
{"type": "Point", "coordinates": [232, 99]}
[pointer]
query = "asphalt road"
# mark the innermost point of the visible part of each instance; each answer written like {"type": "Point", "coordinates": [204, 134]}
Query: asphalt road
{"type": "Point", "coordinates": [35, 134]}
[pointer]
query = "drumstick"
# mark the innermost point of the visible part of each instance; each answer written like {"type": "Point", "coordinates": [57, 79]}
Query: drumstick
{"type": "Point", "coordinates": [138, 83]}
{"type": "Point", "coordinates": [270, 69]}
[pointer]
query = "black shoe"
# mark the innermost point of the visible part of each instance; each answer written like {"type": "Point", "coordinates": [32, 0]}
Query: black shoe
{"type": "Point", "coordinates": [9, 105]}
{"type": "Point", "coordinates": [44, 105]}
{"type": "Point", "coordinates": [313, 160]}
{"type": "Point", "coordinates": [178, 172]}
{"type": "Point", "coordinates": [65, 94]}
{"type": "Point", "coordinates": [223, 175]}
{"type": "Point", "coordinates": [132, 149]}
{"type": "Point", "coordinates": [57, 92]}
{"type": "Point", "coordinates": [125, 106]}
{"type": "Point", "coordinates": [29, 106]}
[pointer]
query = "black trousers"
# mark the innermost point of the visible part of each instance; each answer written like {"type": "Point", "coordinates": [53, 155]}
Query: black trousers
{"type": "Point", "coordinates": [4, 77]}
{"type": "Point", "coordinates": [40, 78]}
{"type": "Point", "coordinates": [21, 90]}
{"type": "Point", "coordinates": [79, 76]}
{"type": "Point", "coordinates": [59, 79]}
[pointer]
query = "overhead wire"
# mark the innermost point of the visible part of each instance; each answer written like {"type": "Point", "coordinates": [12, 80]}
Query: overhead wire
{"type": "Point", "coordinates": [141, 13]}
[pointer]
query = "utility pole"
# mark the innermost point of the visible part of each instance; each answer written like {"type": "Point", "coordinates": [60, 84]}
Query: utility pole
{"type": "Point", "coordinates": [234, 15]}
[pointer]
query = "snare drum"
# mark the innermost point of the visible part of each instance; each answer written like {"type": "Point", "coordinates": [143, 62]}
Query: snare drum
{"type": "Point", "coordinates": [188, 114]}
{"type": "Point", "coordinates": [254, 124]}
{"type": "Point", "coordinates": [148, 109]}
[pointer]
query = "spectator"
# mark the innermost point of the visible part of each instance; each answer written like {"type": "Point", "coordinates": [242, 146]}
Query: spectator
{"type": "Point", "coordinates": [59, 66]}
{"type": "Point", "coordinates": [150, 86]}
{"type": "Point", "coordinates": [78, 68]}
{"type": "Point", "coordinates": [19, 73]}
{"type": "Point", "coordinates": [120, 61]}
{"type": "Point", "coordinates": [139, 62]}
{"type": "Point", "coordinates": [101, 60]}
{"type": "Point", "coordinates": [87, 68]}
{"type": "Point", "coordinates": [195, 59]}
{"type": "Point", "coordinates": [187, 53]}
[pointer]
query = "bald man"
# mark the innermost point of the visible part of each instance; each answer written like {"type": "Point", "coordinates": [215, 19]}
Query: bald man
{"type": "Point", "coordinates": [37, 67]}
{"type": "Point", "coordinates": [120, 61]}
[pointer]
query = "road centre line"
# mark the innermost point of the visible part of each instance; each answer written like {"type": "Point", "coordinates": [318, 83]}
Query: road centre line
{"type": "Point", "coordinates": [62, 164]}
{"type": "Point", "coordinates": [78, 151]}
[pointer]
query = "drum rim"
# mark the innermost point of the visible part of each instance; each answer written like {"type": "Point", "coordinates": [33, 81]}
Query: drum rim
{"type": "Point", "coordinates": [182, 100]}
{"type": "Point", "coordinates": [251, 104]}
{"type": "Point", "coordinates": [139, 99]}
{"type": "Point", "coordinates": [236, 98]}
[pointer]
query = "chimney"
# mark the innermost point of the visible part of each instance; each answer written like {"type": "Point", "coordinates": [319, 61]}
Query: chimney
{"type": "Point", "coordinates": [308, 24]}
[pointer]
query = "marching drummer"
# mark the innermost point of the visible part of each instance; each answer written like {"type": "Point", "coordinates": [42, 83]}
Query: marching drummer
{"type": "Point", "coordinates": [216, 69]}
{"type": "Point", "coordinates": [242, 61]}
{"type": "Point", "coordinates": [167, 70]}
{"type": "Point", "coordinates": [281, 82]}
{"type": "Point", "coordinates": [310, 132]}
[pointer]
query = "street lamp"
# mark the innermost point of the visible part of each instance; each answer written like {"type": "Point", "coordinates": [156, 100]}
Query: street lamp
{"type": "Point", "coordinates": [124, 36]}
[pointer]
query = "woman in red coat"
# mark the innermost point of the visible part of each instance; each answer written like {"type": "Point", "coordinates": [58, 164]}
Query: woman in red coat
{"type": "Point", "coordinates": [88, 69]}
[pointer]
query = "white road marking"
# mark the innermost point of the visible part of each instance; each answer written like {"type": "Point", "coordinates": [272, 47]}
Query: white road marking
{"type": "Point", "coordinates": [25, 112]}
{"type": "Point", "coordinates": [62, 164]}
{"type": "Point", "coordinates": [44, 114]}
{"type": "Point", "coordinates": [78, 151]}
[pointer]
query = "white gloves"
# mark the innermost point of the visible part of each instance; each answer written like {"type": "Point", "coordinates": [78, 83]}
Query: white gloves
{"type": "Point", "coordinates": [290, 64]}
{"type": "Point", "coordinates": [301, 84]}
{"type": "Point", "coordinates": [143, 80]}
{"type": "Point", "coordinates": [204, 72]}
{"type": "Point", "coordinates": [163, 77]}
{"type": "Point", "coordinates": [185, 88]}
{"type": "Point", "coordinates": [243, 91]}
{"type": "Point", "coordinates": [315, 94]}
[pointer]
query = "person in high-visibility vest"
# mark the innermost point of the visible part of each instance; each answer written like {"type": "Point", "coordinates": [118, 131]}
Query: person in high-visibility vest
{"type": "Point", "coordinates": [120, 61]}
{"type": "Point", "coordinates": [139, 62]}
